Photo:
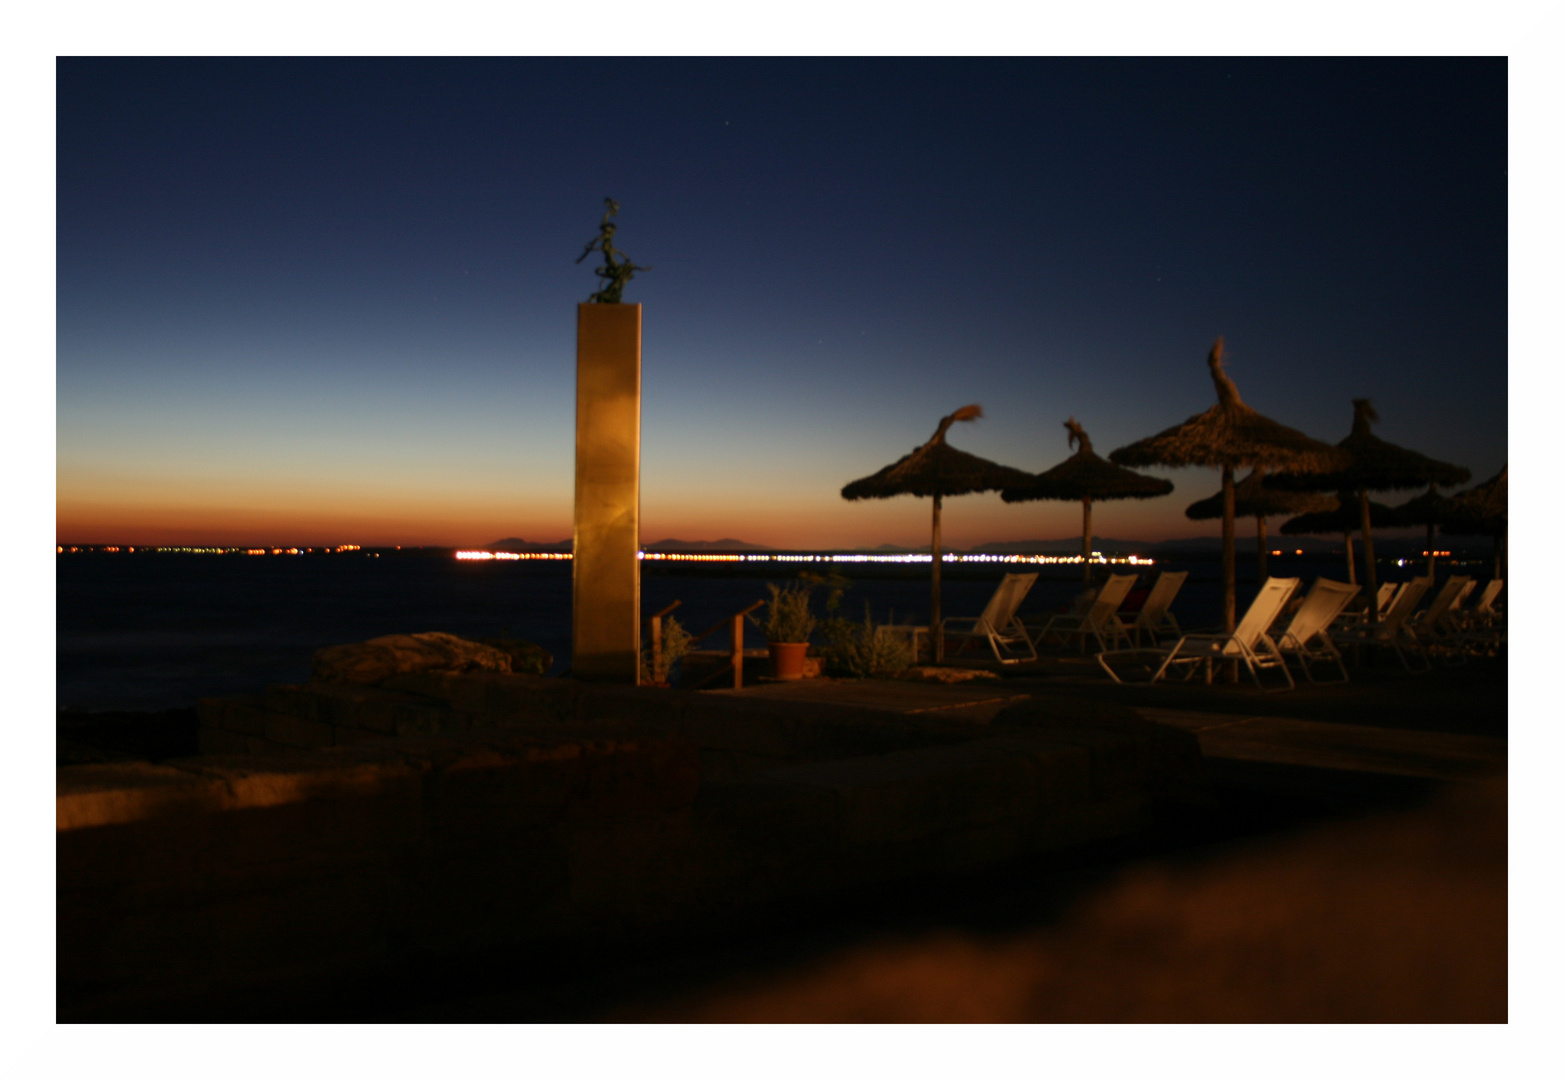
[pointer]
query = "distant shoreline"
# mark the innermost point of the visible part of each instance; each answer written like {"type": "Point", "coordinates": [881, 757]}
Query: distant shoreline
{"type": "Point", "coordinates": [1195, 548]}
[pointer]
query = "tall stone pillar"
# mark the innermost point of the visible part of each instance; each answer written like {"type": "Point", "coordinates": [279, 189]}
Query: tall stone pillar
{"type": "Point", "coordinates": [606, 636]}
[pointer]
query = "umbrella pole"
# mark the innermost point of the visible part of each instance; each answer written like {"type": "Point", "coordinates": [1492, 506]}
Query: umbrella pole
{"type": "Point", "coordinates": [1352, 570]}
{"type": "Point", "coordinates": [1229, 555]}
{"type": "Point", "coordinates": [1260, 539]}
{"type": "Point", "coordinates": [1086, 541]}
{"type": "Point", "coordinates": [1430, 549]}
{"type": "Point", "coordinates": [1369, 575]}
{"type": "Point", "coordinates": [934, 620]}
{"type": "Point", "coordinates": [1229, 565]}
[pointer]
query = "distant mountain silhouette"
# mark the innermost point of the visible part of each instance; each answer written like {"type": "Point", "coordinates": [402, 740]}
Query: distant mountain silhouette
{"type": "Point", "coordinates": [517, 544]}
{"type": "Point", "coordinates": [1071, 545]}
{"type": "Point", "coordinates": [727, 544]}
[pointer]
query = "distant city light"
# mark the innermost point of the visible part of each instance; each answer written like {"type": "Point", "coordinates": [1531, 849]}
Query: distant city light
{"type": "Point", "coordinates": [61, 549]}
{"type": "Point", "coordinates": [513, 555]}
{"type": "Point", "coordinates": [910, 557]}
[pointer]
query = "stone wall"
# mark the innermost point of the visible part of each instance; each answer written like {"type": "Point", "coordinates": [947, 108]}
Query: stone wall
{"type": "Point", "coordinates": [734, 737]}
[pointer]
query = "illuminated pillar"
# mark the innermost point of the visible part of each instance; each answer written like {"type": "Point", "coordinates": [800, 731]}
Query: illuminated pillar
{"type": "Point", "coordinates": [606, 605]}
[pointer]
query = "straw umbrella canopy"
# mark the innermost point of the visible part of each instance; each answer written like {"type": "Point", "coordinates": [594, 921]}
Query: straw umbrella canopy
{"type": "Point", "coordinates": [1428, 509]}
{"type": "Point", "coordinates": [1087, 477]}
{"type": "Point", "coordinates": [934, 470]}
{"type": "Point", "coordinates": [1251, 498]}
{"type": "Point", "coordinates": [1228, 436]}
{"type": "Point", "coordinates": [1342, 516]}
{"type": "Point", "coordinates": [1484, 511]}
{"type": "Point", "coordinates": [1372, 464]}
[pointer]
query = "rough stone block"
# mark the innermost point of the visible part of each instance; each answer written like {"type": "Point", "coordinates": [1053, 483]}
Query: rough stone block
{"type": "Point", "coordinates": [94, 795]}
{"type": "Point", "coordinates": [297, 732]}
{"type": "Point", "coordinates": [216, 740]}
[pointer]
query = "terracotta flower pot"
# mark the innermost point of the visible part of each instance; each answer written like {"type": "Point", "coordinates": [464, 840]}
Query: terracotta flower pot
{"type": "Point", "coordinates": [787, 658]}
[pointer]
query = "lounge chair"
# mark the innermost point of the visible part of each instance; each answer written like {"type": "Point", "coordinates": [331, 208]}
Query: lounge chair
{"type": "Point", "coordinates": [1099, 621]}
{"type": "Point", "coordinates": [1391, 631]}
{"type": "Point", "coordinates": [1382, 600]}
{"type": "Point", "coordinates": [998, 625]}
{"type": "Point", "coordinates": [1460, 597]}
{"type": "Point", "coordinates": [1306, 638]}
{"type": "Point", "coordinates": [1248, 643]}
{"type": "Point", "coordinates": [1436, 626]}
{"type": "Point", "coordinates": [1481, 628]}
{"type": "Point", "coordinates": [1483, 612]}
{"type": "Point", "coordinates": [1154, 618]}
{"type": "Point", "coordinates": [1442, 603]}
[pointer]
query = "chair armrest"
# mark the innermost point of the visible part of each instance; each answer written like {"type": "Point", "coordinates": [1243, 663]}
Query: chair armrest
{"type": "Point", "coordinates": [944, 623]}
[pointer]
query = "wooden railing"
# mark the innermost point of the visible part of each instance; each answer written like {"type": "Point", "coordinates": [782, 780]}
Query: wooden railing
{"type": "Point", "coordinates": [735, 654]}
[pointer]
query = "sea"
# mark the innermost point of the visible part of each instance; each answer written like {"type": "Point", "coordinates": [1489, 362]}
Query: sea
{"type": "Point", "coordinates": [149, 631]}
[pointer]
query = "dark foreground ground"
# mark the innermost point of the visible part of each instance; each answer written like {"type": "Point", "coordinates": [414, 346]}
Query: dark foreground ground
{"type": "Point", "coordinates": [1304, 894]}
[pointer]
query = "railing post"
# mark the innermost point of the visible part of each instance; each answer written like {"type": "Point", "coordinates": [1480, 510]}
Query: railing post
{"type": "Point", "coordinates": [738, 652]}
{"type": "Point", "coordinates": [657, 647]}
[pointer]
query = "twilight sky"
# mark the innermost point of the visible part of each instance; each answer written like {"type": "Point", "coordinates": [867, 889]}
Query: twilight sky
{"type": "Point", "coordinates": [332, 301]}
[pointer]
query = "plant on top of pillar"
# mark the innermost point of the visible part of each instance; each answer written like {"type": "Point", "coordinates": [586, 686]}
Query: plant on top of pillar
{"type": "Point", "coordinates": [615, 272]}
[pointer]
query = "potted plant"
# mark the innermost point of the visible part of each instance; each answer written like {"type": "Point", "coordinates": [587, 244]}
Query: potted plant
{"type": "Point", "coordinates": [787, 626]}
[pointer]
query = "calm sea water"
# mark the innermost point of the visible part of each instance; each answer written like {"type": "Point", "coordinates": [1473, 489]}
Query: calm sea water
{"type": "Point", "coordinates": [155, 631]}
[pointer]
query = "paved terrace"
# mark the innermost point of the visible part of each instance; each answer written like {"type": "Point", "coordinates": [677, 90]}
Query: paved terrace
{"type": "Point", "coordinates": [1447, 724]}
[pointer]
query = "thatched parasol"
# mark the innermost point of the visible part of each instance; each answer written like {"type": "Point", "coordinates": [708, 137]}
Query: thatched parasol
{"type": "Point", "coordinates": [1484, 511]}
{"type": "Point", "coordinates": [1372, 464]}
{"type": "Point", "coordinates": [1228, 435]}
{"type": "Point", "coordinates": [937, 469]}
{"type": "Point", "coordinates": [1428, 509]}
{"type": "Point", "coordinates": [1342, 516]}
{"type": "Point", "coordinates": [1253, 499]}
{"type": "Point", "coordinates": [1085, 476]}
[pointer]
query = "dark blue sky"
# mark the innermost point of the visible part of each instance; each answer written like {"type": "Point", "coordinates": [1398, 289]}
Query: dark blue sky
{"type": "Point", "coordinates": [332, 300]}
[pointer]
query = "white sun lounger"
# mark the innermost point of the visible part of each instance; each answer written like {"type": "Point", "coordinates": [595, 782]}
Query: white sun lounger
{"type": "Point", "coordinates": [1306, 638]}
{"type": "Point", "coordinates": [1099, 622]}
{"type": "Point", "coordinates": [1247, 643]}
{"type": "Point", "coordinates": [1154, 618]}
{"type": "Point", "coordinates": [1390, 632]}
{"type": "Point", "coordinates": [997, 625]}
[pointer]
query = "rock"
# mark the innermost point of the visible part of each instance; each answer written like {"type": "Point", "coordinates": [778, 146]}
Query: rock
{"type": "Point", "coordinates": [945, 675]}
{"type": "Point", "coordinates": [525, 657]}
{"type": "Point", "coordinates": [400, 654]}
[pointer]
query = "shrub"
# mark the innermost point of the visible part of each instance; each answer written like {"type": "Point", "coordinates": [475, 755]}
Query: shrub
{"type": "Point", "coordinates": [525, 657]}
{"type": "Point", "coordinates": [788, 617]}
{"type": "Point", "coordinates": [676, 642]}
{"type": "Point", "coordinates": [866, 650]}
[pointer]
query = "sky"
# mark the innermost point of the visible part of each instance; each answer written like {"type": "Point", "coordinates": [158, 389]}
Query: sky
{"type": "Point", "coordinates": [322, 301]}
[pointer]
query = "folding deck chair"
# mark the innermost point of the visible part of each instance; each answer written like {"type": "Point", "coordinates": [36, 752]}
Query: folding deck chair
{"type": "Point", "coordinates": [1391, 631]}
{"type": "Point", "coordinates": [998, 624]}
{"type": "Point", "coordinates": [1382, 599]}
{"type": "Point", "coordinates": [1154, 618]}
{"type": "Point", "coordinates": [1306, 637]}
{"type": "Point", "coordinates": [1482, 613]}
{"type": "Point", "coordinates": [1247, 643]}
{"type": "Point", "coordinates": [1435, 626]}
{"type": "Point", "coordinates": [1099, 619]}
{"type": "Point", "coordinates": [1481, 628]}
